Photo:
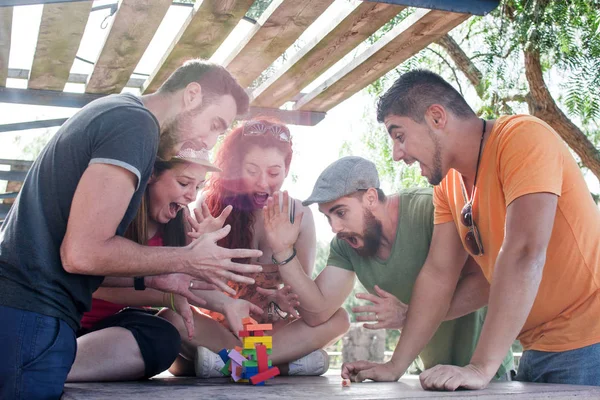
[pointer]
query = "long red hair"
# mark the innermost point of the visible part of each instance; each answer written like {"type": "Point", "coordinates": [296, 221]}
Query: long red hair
{"type": "Point", "coordinates": [227, 187]}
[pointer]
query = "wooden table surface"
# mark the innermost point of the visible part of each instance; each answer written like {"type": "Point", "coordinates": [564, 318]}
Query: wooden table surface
{"type": "Point", "coordinates": [316, 388]}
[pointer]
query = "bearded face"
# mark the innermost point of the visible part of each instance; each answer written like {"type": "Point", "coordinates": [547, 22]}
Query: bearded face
{"type": "Point", "coordinates": [367, 242]}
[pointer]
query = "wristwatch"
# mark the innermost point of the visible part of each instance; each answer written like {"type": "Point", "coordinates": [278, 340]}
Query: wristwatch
{"type": "Point", "coordinates": [138, 283]}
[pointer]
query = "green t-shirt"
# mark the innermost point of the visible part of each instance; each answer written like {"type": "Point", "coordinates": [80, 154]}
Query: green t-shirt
{"type": "Point", "coordinates": [455, 341]}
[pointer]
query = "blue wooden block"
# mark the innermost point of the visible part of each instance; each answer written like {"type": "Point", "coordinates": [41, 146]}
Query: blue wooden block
{"type": "Point", "coordinates": [250, 372]}
{"type": "Point", "coordinates": [224, 354]}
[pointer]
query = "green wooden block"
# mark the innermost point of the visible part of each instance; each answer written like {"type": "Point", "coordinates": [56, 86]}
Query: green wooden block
{"type": "Point", "coordinates": [225, 369]}
{"type": "Point", "coordinates": [252, 352]}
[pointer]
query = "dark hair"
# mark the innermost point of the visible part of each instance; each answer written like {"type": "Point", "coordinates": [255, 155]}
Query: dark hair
{"type": "Point", "coordinates": [413, 92]}
{"type": "Point", "coordinates": [226, 188]}
{"type": "Point", "coordinates": [360, 193]}
{"type": "Point", "coordinates": [173, 231]}
{"type": "Point", "coordinates": [213, 78]}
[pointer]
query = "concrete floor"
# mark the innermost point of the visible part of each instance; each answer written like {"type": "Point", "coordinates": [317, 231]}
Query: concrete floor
{"type": "Point", "coordinates": [316, 388]}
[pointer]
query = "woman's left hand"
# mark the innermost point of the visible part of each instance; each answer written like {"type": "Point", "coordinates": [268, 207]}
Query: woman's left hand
{"type": "Point", "coordinates": [280, 231]}
{"type": "Point", "coordinates": [204, 221]}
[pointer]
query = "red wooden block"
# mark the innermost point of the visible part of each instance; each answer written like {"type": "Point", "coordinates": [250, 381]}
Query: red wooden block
{"type": "Point", "coordinates": [249, 321]}
{"type": "Point", "coordinates": [263, 376]}
{"type": "Point", "coordinates": [262, 358]}
{"type": "Point", "coordinates": [258, 333]}
{"type": "Point", "coordinates": [244, 334]}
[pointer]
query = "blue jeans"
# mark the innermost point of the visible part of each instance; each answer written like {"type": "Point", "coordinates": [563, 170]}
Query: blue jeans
{"type": "Point", "coordinates": [575, 367]}
{"type": "Point", "coordinates": [36, 354]}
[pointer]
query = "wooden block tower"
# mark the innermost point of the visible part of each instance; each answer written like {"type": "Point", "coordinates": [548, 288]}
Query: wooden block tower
{"type": "Point", "coordinates": [251, 363]}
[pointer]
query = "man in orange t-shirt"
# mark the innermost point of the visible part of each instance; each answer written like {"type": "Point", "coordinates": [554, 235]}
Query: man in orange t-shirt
{"type": "Point", "coordinates": [510, 194]}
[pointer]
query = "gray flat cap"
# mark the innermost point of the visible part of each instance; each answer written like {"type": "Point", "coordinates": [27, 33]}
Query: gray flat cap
{"type": "Point", "coordinates": [342, 178]}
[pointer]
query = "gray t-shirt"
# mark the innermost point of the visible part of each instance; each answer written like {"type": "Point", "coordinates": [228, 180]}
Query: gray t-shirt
{"type": "Point", "coordinates": [115, 130]}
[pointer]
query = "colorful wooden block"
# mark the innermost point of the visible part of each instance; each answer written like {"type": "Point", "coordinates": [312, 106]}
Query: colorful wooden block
{"type": "Point", "coordinates": [254, 363]}
{"type": "Point", "coordinates": [250, 342]}
{"type": "Point", "coordinates": [259, 327]}
{"type": "Point", "coordinates": [236, 371]}
{"type": "Point", "coordinates": [251, 353]}
{"type": "Point", "coordinates": [257, 333]}
{"type": "Point", "coordinates": [262, 358]}
{"type": "Point", "coordinates": [237, 357]}
{"type": "Point", "coordinates": [238, 349]}
{"type": "Point", "coordinates": [224, 354]}
{"type": "Point", "coordinates": [263, 376]}
{"type": "Point", "coordinates": [244, 334]}
{"type": "Point", "coordinates": [249, 321]}
{"type": "Point", "coordinates": [225, 370]}
{"type": "Point", "coordinates": [249, 372]}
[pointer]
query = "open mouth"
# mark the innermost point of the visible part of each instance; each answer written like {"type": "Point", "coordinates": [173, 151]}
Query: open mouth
{"type": "Point", "coordinates": [174, 209]}
{"type": "Point", "coordinates": [260, 198]}
{"type": "Point", "coordinates": [351, 240]}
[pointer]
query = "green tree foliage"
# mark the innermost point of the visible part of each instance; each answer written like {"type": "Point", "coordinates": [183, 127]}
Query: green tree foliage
{"type": "Point", "coordinates": [492, 77]}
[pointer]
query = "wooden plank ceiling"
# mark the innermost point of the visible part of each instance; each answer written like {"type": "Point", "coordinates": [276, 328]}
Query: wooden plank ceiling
{"type": "Point", "coordinates": [6, 14]}
{"type": "Point", "coordinates": [209, 24]}
{"type": "Point", "coordinates": [277, 29]}
{"type": "Point", "coordinates": [132, 30]}
{"type": "Point", "coordinates": [206, 28]}
{"type": "Point", "coordinates": [60, 34]}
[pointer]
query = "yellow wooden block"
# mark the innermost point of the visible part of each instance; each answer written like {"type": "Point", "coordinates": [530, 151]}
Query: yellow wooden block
{"type": "Point", "coordinates": [250, 342]}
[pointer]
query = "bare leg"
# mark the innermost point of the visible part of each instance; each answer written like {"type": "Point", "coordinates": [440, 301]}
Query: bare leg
{"type": "Point", "coordinates": [110, 354]}
{"type": "Point", "coordinates": [209, 333]}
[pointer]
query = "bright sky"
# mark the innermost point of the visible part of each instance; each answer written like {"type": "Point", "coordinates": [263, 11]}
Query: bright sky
{"type": "Point", "coordinates": [314, 147]}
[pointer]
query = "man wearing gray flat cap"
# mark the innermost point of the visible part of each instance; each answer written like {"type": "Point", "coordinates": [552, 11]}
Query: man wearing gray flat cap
{"type": "Point", "coordinates": [384, 240]}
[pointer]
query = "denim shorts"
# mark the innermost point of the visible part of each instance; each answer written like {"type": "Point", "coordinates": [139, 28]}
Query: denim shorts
{"type": "Point", "coordinates": [575, 367]}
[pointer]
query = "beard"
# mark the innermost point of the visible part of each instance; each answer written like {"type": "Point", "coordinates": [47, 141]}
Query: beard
{"type": "Point", "coordinates": [174, 131]}
{"type": "Point", "coordinates": [436, 171]}
{"type": "Point", "coordinates": [371, 236]}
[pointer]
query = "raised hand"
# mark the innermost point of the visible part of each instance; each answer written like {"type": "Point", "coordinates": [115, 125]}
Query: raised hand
{"type": "Point", "coordinates": [237, 310]}
{"type": "Point", "coordinates": [385, 310]}
{"type": "Point", "coordinates": [359, 371]}
{"type": "Point", "coordinates": [281, 233]}
{"type": "Point", "coordinates": [204, 222]}
{"type": "Point", "coordinates": [210, 262]}
{"type": "Point", "coordinates": [284, 297]}
{"type": "Point", "coordinates": [450, 377]}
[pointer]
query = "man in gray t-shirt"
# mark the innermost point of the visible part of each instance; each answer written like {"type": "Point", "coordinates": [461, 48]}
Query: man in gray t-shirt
{"type": "Point", "coordinates": [63, 234]}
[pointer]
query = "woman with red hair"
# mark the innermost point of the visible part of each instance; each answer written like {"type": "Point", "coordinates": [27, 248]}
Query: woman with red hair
{"type": "Point", "coordinates": [255, 159]}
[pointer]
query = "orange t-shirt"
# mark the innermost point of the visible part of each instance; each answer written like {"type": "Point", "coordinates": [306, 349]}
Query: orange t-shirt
{"type": "Point", "coordinates": [524, 155]}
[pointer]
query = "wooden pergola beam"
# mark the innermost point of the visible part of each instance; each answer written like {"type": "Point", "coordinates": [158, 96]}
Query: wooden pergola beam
{"type": "Point", "coordinates": [78, 100]}
{"type": "Point", "coordinates": [208, 25]}
{"type": "Point", "coordinates": [73, 78]}
{"type": "Point", "coordinates": [406, 39]}
{"type": "Point", "coordinates": [58, 43]}
{"type": "Point", "coordinates": [6, 15]}
{"type": "Point", "coordinates": [133, 28]}
{"type": "Point", "coordinates": [277, 29]}
{"type": "Point", "coordinates": [347, 32]}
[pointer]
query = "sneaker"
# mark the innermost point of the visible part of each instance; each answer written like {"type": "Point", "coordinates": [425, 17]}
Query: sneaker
{"type": "Point", "coordinates": [207, 364]}
{"type": "Point", "coordinates": [315, 364]}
